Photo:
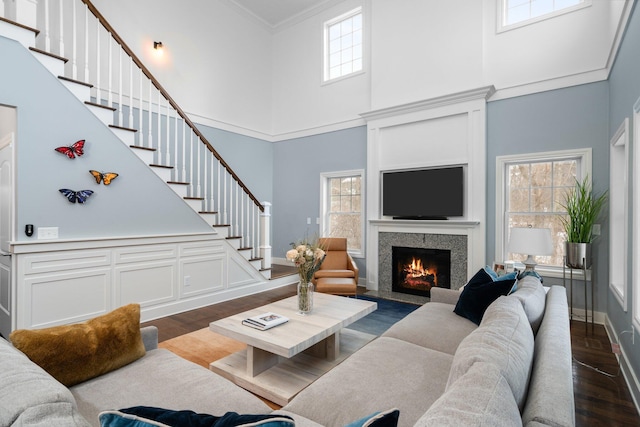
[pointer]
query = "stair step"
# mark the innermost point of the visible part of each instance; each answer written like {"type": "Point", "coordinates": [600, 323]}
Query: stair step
{"type": "Point", "coordinates": [80, 90]}
{"type": "Point", "coordinates": [103, 112]}
{"type": "Point", "coordinates": [234, 241]}
{"type": "Point", "coordinates": [54, 63]}
{"type": "Point", "coordinates": [179, 187]}
{"type": "Point", "coordinates": [164, 172]}
{"type": "Point", "coordinates": [126, 135]}
{"type": "Point", "coordinates": [223, 230]}
{"type": "Point", "coordinates": [26, 36]}
{"type": "Point", "coordinates": [194, 202]}
{"type": "Point", "coordinates": [145, 154]}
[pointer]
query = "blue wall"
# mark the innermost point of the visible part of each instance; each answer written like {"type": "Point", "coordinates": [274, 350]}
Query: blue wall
{"type": "Point", "coordinates": [250, 158]}
{"type": "Point", "coordinates": [575, 117]}
{"type": "Point", "coordinates": [137, 203]}
{"type": "Point", "coordinates": [624, 90]}
{"type": "Point", "coordinates": [297, 166]}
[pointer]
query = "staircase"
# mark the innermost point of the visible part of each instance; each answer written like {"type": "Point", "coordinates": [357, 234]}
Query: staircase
{"type": "Point", "coordinates": [77, 45]}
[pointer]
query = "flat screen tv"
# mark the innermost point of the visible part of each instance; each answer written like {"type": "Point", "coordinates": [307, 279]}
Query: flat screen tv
{"type": "Point", "coordinates": [435, 193]}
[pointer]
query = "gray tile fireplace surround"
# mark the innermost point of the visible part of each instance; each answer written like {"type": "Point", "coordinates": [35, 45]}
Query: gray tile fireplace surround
{"type": "Point", "coordinates": [457, 244]}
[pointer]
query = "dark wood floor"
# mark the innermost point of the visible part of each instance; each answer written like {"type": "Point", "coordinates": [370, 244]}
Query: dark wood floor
{"type": "Point", "coordinates": [600, 400]}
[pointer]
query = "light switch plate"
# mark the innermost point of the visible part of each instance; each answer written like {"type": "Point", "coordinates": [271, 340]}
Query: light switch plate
{"type": "Point", "coordinates": [47, 232]}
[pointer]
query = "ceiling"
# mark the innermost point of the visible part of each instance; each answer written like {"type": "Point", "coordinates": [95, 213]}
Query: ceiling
{"type": "Point", "coordinates": [274, 13]}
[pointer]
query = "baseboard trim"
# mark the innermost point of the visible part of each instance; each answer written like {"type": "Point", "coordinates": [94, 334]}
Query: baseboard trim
{"type": "Point", "coordinates": [628, 373]}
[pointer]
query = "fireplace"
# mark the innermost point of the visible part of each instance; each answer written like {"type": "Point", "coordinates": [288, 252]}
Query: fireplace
{"type": "Point", "coordinates": [417, 270]}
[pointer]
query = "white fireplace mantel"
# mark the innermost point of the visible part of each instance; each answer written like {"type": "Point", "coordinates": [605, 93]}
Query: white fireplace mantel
{"type": "Point", "coordinates": [444, 131]}
{"type": "Point", "coordinates": [421, 224]}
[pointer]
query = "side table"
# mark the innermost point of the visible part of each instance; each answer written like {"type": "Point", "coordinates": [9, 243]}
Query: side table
{"type": "Point", "coordinates": [586, 300]}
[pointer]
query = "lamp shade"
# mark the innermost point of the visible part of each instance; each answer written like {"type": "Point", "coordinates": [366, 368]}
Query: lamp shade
{"type": "Point", "coordinates": [530, 241]}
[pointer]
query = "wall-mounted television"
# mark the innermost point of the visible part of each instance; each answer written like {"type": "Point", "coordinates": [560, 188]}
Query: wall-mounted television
{"type": "Point", "coordinates": [433, 193]}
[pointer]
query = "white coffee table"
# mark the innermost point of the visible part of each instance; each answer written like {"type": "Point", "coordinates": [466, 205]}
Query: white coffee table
{"type": "Point", "coordinates": [280, 362]}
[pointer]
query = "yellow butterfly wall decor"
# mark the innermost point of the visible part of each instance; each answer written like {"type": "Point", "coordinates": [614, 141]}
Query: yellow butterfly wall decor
{"type": "Point", "coordinates": [105, 177]}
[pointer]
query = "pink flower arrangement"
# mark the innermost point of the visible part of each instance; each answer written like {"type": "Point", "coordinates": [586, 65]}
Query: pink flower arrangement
{"type": "Point", "coordinates": [307, 257]}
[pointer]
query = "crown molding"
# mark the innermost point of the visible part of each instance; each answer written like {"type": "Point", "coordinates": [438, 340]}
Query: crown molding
{"type": "Point", "coordinates": [441, 101]}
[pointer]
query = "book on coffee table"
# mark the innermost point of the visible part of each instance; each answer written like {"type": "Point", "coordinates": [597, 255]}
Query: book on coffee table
{"type": "Point", "coordinates": [265, 321]}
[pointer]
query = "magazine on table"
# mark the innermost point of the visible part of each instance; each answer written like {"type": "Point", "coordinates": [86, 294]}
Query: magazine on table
{"type": "Point", "coordinates": [265, 321]}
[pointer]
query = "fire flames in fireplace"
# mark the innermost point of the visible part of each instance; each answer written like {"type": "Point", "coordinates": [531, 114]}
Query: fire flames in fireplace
{"type": "Point", "coordinates": [417, 275]}
{"type": "Point", "coordinates": [417, 270]}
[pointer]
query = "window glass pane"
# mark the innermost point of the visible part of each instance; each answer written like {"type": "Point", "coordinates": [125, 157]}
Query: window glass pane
{"type": "Point", "coordinates": [519, 176]}
{"type": "Point", "coordinates": [335, 204]}
{"type": "Point", "coordinates": [357, 22]}
{"type": "Point", "coordinates": [346, 26]}
{"type": "Point", "coordinates": [344, 47]}
{"type": "Point", "coordinates": [541, 174]}
{"type": "Point", "coordinates": [344, 217]}
{"type": "Point", "coordinates": [535, 193]}
{"type": "Point", "coordinates": [523, 10]}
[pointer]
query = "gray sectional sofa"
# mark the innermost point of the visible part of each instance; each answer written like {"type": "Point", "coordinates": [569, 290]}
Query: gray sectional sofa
{"type": "Point", "coordinates": [437, 368]}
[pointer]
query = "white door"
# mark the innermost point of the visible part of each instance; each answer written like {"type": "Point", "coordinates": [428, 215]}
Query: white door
{"type": "Point", "coordinates": [6, 231]}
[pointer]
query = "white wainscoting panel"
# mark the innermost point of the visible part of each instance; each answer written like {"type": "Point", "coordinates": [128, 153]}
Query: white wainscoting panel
{"type": "Point", "coordinates": [146, 283]}
{"type": "Point", "coordinates": [62, 282]}
{"type": "Point", "coordinates": [57, 299]}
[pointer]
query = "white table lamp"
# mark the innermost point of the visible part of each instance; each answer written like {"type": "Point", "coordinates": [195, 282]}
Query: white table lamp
{"type": "Point", "coordinates": [530, 241]}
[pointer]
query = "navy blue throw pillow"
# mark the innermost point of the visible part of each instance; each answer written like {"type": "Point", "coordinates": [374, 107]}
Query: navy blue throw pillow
{"type": "Point", "coordinates": [479, 293]}
{"type": "Point", "coordinates": [192, 419]}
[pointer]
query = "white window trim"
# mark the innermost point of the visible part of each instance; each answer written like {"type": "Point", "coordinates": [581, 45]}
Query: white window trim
{"type": "Point", "coordinates": [585, 155]}
{"type": "Point", "coordinates": [324, 207]}
{"type": "Point", "coordinates": [501, 9]}
{"type": "Point", "coordinates": [619, 200]}
{"type": "Point", "coordinates": [636, 216]}
{"type": "Point", "coordinates": [325, 46]}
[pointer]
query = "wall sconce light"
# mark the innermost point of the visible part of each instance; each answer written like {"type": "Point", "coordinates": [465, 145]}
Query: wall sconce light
{"type": "Point", "coordinates": [157, 46]}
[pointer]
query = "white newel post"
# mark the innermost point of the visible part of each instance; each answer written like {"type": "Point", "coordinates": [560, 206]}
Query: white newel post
{"type": "Point", "coordinates": [265, 233]}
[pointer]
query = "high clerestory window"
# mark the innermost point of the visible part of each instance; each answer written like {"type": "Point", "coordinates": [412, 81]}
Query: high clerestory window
{"type": "Point", "coordinates": [343, 45]}
{"type": "Point", "coordinates": [521, 12]}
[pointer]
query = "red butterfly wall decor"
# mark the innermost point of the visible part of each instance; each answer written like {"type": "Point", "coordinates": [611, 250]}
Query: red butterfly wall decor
{"type": "Point", "coordinates": [76, 149]}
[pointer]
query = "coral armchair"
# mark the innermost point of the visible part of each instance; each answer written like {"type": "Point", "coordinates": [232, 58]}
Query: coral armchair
{"type": "Point", "coordinates": [338, 274]}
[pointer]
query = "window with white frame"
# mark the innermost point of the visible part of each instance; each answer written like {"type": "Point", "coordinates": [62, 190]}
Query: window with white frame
{"type": "Point", "coordinates": [636, 215]}
{"type": "Point", "coordinates": [530, 192]}
{"type": "Point", "coordinates": [516, 12]}
{"type": "Point", "coordinates": [343, 45]}
{"type": "Point", "coordinates": [343, 208]}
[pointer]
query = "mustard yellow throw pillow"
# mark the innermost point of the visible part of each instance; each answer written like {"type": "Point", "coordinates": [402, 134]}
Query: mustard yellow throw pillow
{"type": "Point", "coordinates": [75, 353]}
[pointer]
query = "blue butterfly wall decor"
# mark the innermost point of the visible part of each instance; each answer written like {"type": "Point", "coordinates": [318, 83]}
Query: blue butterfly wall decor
{"type": "Point", "coordinates": [76, 196]}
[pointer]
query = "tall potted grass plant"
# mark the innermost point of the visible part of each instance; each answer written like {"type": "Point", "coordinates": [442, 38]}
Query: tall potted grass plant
{"type": "Point", "coordinates": [583, 209]}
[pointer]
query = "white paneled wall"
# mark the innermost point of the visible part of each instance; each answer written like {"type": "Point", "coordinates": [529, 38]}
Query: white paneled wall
{"type": "Point", "coordinates": [64, 284]}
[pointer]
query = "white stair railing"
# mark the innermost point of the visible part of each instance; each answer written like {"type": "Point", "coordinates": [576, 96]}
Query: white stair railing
{"type": "Point", "coordinates": [96, 55]}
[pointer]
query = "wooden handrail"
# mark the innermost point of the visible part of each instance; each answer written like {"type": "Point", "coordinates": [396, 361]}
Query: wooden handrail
{"type": "Point", "coordinates": [166, 95]}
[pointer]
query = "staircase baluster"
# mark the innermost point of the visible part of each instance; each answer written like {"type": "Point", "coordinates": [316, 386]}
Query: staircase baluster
{"type": "Point", "coordinates": [61, 29]}
{"type": "Point", "coordinates": [86, 44]}
{"type": "Point", "coordinates": [158, 137]}
{"type": "Point", "coordinates": [140, 111]}
{"type": "Point", "coordinates": [209, 202]}
{"type": "Point", "coordinates": [130, 124]}
{"type": "Point", "coordinates": [167, 150]}
{"type": "Point", "coordinates": [119, 76]}
{"type": "Point", "coordinates": [226, 201]}
{"type": "Point", "coordinates": [110, 72]}
{"type": "Point", "coordinates": [198, 163]}
{"type": "Point", "coordinates": [150, 111]}
{"type": "Point", "coordinates": [74, 43]}
{"type": "Point", "coordinates": [175, 150]}
{"type": "Point", "coordinates": [98, 67]}
{"type": "Point", "coordinates": [47, 39]}
{"type": "Point", "coordinates": [218, 194]}
{"type": "Point", "coordinates": [183, 174]}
